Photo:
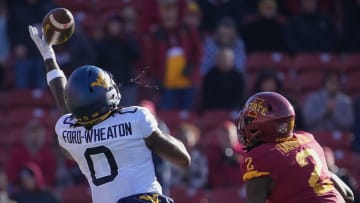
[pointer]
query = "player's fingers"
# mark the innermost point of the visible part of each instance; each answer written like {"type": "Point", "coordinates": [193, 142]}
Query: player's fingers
{"type": "Point", "coordinates": [32, 31]}
{"type": "Point", "coordinates": [37, 33]}
{"type": "Point", "coordinates": [34, 34]}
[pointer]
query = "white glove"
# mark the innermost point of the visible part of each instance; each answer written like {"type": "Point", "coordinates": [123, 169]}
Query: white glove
{"type": "Point", "coordinates": [46, 50]}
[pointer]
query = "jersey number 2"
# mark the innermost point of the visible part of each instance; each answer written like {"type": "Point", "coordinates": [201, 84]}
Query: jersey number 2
{"type": "Point", "coordinates": [111, 160]}
{"type": "Point", "coordinates": [302, 158]}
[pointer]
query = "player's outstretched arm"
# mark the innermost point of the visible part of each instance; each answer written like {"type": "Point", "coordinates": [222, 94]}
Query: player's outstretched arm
{"type": "Point", "coordinates": [57, 85]}
{"type": "Point", "coordinates": [344, 189]}
{"type": "Point", "coordinates": [169, 148]}
{"type": "Point", "coordinates": [55, 77]}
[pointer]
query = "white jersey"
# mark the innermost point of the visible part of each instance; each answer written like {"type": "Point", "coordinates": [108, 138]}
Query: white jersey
{"type": "Point", "coordinates": [112, 154]}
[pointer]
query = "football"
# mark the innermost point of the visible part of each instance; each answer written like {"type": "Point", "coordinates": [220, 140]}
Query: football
{"type": "Point", "coordinates": [58, 26]}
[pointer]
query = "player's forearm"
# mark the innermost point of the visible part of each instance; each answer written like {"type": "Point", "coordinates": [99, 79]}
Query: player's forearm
{"type": "Point", "coordinates": [169, 148]}
{"type": "Point", "coordinates": [176, 153]}
{"type": "Point", "coordinates": [57, 86]}
{"type": "Point", "coordinates": [343, 189]}
{"type": "Point", "coordinates": [51, 64]}
{"type": "Point", "coordinates": [181, 154]}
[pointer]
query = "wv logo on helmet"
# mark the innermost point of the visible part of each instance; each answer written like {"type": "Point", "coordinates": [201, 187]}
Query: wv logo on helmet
{"type": "Point", "coordinates": [100, 81]}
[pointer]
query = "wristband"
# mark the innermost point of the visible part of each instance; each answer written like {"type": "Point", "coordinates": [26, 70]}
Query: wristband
{"type": "Point", "coordinates": [56, 73]}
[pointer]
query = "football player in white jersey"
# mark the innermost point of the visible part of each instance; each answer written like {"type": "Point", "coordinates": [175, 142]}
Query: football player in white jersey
{"type": "Point", "coordinates": [111, 145]}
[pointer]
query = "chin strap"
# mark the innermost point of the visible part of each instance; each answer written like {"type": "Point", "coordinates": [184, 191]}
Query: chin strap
{"type": "Point", "coordinates": [95, 121]}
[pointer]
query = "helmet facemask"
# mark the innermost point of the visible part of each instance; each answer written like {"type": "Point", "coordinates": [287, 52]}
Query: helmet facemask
{"type": "Point", "coordinates": [116, 96]}
{"type": "Point", "coordinates": [249, 133]}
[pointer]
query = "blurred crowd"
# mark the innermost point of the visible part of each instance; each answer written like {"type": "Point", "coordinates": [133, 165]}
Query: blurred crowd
{"type": "Point", "coordinates": [189, 62]}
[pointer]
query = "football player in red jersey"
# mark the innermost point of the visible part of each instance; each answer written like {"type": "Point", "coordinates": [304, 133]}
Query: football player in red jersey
{"type": "Point", "coordinates": [281, 165]}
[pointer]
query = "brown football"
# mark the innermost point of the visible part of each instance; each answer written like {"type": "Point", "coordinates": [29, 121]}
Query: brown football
{"type": "Point", "coordinates": [58, 26]}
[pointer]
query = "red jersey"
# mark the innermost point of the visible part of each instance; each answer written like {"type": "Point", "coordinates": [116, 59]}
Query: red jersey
{"type": "Point", "coordinates": [297, 167]}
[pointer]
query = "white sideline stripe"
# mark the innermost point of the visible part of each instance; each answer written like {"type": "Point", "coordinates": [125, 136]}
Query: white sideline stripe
{"type": "Point", "coordinates": [60, 25]}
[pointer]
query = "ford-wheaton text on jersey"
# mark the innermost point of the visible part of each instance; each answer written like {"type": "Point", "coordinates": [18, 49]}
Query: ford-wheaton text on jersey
{"type": "Point", "coordinates": [97, 134]}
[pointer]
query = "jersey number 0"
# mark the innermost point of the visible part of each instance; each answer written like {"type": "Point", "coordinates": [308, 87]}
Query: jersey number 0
{"type": "Point", "coordinates": [111, 160]}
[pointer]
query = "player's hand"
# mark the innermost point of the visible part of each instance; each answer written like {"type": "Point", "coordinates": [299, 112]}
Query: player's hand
{"type": "Point", "coordinates": [47, 52]}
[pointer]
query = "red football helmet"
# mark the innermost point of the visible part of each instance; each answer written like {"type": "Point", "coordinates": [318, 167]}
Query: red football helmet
{"type": "Point", "coordinates": [266, 117]}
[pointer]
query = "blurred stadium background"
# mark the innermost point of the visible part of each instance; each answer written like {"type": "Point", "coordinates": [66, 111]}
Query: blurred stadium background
{"type": "Point", "coordinates": [297, 41]}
